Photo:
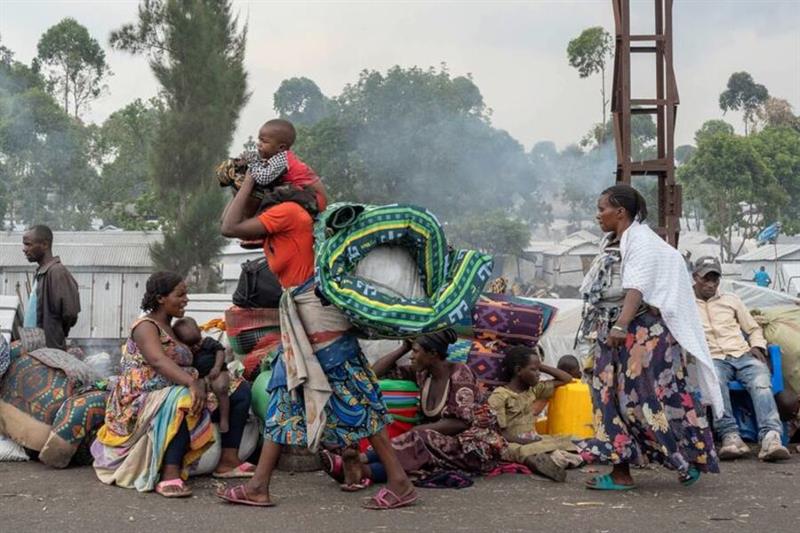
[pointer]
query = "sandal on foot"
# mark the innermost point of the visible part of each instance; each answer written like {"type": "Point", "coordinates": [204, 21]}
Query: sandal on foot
{"type": "Point", "coordinates": [173, 488]}
{"type": "Point", "coordinates": [244, 470]}
{"type": "Point", "coordinates": [333, 465]}
{"type": "Point", "coordinates": [355, 487]}
{"type": "Point", "coordinates": [690, 478]}
{"type": "Point", "coordinates": [238, 495]}
{"type": "Point", "coordinates": [606, 482]}
{"type": "Point", "coordinates": [386, 499]}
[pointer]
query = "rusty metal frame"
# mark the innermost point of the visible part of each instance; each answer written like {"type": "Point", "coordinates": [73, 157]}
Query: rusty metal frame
{"type": "Point", "coordinates": [664, 106]}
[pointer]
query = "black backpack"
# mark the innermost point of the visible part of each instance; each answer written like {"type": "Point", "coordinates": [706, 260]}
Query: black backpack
{"type": "Point", "coordinates": [258, 287]}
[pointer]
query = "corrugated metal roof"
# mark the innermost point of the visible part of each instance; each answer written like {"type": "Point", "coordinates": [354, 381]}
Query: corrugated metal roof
{"type": "Point", "coordinates": [93, 237]}
{"type": "Point", "coordinates": [769, 252]}
{"type": "Point", "coordinates": [84, 255]}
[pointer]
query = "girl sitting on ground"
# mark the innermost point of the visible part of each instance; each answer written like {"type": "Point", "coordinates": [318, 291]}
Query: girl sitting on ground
{"type": "Point", "coordinates": [514, 405]}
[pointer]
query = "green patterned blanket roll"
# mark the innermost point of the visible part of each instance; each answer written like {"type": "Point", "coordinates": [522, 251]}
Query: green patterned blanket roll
{"type": "Point", "coordinates": [452, 279]}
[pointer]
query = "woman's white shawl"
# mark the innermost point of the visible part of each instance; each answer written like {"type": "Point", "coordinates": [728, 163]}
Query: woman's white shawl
{"type": "Point", "coordinates": [658, 271]}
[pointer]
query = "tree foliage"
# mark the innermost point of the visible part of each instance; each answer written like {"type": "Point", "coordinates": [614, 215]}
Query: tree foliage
{"type": "Point", "coordinates": [743, 94]}
{"type": "Point", "coordinates": [589, 53]}
{"type": "Point", "coordinates": [123, 194]}
{"type": "Point", "coordinates": [44, 163]}
{"type": "Point", "coordinates": [735, 187]}
{"type": "Point", "coordinates": [493, 232]}
{"type": "Point", "coordinates": [76, 64]}
{"type": "Point", "coordinates": [420, 136]}
{"type": "Point", "coordinates": [196, 52]}
{"type": "Point", "coordinates": [301, 101]}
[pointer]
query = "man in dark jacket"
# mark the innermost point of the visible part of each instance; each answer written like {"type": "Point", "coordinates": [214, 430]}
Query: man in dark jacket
{"type": "Point", "coordinates": [54, 303]}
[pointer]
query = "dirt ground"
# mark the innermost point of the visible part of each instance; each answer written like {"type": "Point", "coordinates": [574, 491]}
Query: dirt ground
{"type": "Point", "coordinates": [747, 496]}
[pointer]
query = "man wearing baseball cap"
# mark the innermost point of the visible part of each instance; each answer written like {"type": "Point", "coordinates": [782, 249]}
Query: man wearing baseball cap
{"type": "Point", "coordinates": [725, 320]}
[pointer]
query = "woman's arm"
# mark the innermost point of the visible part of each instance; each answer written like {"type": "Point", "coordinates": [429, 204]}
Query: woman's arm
{"type": "Point", "coordinates": [147, 338]}
{"type": "Point", "coordinates": [234, 220]}
{"type": "Point", "coordinates": [445, 426]}
{"type": "Point", "coordinates": [383, 365]}
{"type": "Point", "coordinates": [619, 331]}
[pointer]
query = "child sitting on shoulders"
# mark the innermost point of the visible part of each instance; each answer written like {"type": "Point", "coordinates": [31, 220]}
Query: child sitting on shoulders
{"type": "Point", "coordinates": [273, 160]}
{"type": "Point", "coordinates": [209, 360]}
{"type": "Point", "coordinates": [514, 406]}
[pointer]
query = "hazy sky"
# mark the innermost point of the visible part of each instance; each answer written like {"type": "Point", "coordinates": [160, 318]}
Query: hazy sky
{"type": "Point", "coordinates": [515, 50]}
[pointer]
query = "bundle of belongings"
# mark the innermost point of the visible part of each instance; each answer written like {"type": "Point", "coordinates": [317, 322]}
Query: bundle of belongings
{"type": "Point", "coordinates": [496, 322]}
{"type": "Point", "coordinates": [781, 326]}
{"type": "Point", "coordinates": [252, 323]}
{"type": "Point", "coordinates": [452, 279]}
{"type": "Point", "coordinates": [51, 403]}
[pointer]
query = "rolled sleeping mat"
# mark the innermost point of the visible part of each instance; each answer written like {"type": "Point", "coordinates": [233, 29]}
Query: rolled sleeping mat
{"type": "Point", "coordinates": [452, 279]}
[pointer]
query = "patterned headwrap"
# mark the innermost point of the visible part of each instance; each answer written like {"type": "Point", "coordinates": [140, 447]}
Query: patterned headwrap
{"type": "Point", "coordinates": [437, 342]}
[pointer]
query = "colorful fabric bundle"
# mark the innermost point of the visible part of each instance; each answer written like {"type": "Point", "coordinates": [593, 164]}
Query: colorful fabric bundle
{"type": "Point", "coordinates": [458, 352]}
{"type": "Point", "coordinates": [452, 279]}
{"type": "Point", "coordinates": [402, 400]}
{"type": "Point", "coordinates": [238, 319]}
{"type": "Point", "coordinates": [250, 330]}
{"type": "Point", "coordinates": [43, 409]}
{"type": "Point", "coordinates": [508, 318]}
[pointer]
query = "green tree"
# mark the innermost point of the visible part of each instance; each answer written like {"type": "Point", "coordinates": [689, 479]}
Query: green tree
{"type": "Point", "coordinates": [301, 101]}
{"type": "Point", "coordinates": [44, 164]}
{"type": "Point", "coordinates": [76, 63]}
{"type": "Point", "coordinates": [123, 147]}
{"type": "Point", "coordinates": [589, 53]}
{"type": "Point", "coordinates": [734, 186]}
{"type": "Point", "coordinates": [421, 136]}
{"type": "Point", "coordinates": [196, 52]}
{"type": "Point", "coordinates": [493, 232]}
{"type": "Point", "coordinates": [744, 94]}
{"type": "Point", "coordinates": [779, 148]}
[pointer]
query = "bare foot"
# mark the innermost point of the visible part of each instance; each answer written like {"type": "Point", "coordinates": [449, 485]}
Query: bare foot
{"type": "Point", "coordinates": [352, 466]}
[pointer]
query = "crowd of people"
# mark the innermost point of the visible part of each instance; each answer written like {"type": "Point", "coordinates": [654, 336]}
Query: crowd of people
{"type": "Point", "coordinates": [666, 344]}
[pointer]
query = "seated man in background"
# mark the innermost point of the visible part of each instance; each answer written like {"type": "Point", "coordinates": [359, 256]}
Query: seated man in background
{"type": "Point", "coordinates": [725, 318]}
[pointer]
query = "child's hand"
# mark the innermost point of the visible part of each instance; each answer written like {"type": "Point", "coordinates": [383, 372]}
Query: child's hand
{"type": "Point", "coordinates": [214, 373]}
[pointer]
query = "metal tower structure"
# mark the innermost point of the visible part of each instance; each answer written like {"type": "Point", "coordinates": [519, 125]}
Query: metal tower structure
{"type": "Point", "coordinates": [664, 106]}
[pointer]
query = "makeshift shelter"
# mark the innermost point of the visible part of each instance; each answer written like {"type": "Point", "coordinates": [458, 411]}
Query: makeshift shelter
{"type": "Point", "coordinates": [772, 258]}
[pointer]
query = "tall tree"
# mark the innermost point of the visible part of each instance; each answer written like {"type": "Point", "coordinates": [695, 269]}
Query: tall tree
{"type": "Point", "coordinates": [590, 52]}
{"type": "Point", "coordinates": [743, 94]}
{"type": "Point", "coordinates": [779, 148]}
{"type": "Point", "coordinates": [76, 64]}
{"type": "Point", "coordinates": [44, 163]}
{"type": "Point", "coordinates": [301, 101]}
{"type": "Point", "coordinates": [196, 52]}
{"type": "Point", "coordinates": [123, 149]}
{"type": "Point", "coordinates": [421, 136]}
{"type": "Point", "coordinates": [734, 186]}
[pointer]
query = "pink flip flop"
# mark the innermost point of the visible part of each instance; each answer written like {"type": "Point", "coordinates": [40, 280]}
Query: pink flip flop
{"type": "Point", "coordinates": [355, 487]}
{"type": "Point", "coordinates": [244, 470]}
{"type": "Point", "coordinates": [332, 464]}
{"type": "Point", "coordinates": [183, 492]}
{"type": "Point", "coordinates": [386, 499]}
{"type": "Point", "coordinates": [238, 495]}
